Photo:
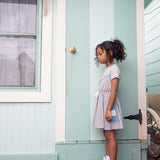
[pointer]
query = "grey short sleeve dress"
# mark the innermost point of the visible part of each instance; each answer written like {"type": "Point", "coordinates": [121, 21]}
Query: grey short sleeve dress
{"type": "Point", "coordinates": [103, 94]}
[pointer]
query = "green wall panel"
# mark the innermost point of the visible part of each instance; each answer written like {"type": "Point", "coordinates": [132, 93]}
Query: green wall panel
{"type": "Point", "coordinates": [125, 30]}
{"type": "Point", "coordinates": [78, 68]}
{"type": "Point", "coordinates": [99, 31]}
{"type": "Point", "coordinates": [77, 71]}
{"type": "Point", "coordinates": [153, 90]}
{"type": "Point", "coordinates": [152, 33]}
{"type": "Point", "coordinates": [153, 80]}
{"type": "Point", "coordinates": [153, 57]}
{"type": "Point", "coordinates": [153, 68]}
{"type": "Point", "coordinates": [152, 44]}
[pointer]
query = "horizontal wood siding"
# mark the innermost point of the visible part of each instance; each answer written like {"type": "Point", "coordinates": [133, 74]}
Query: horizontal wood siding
{"type": "Point", "coordinates": [26, 128]}
{"type": "Point", "coordinates": [152, 46]}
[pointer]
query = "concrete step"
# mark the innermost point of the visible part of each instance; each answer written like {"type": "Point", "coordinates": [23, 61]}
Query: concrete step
{"type": "Point", "coordinates": [150, 158]}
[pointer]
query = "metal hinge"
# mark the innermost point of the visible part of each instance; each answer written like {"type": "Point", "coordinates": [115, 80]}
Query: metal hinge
{"type": "Point", "coordinates": [135, 117]}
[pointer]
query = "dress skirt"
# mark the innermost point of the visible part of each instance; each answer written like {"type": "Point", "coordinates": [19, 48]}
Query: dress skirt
{"type": "Point", "coordinates": [99, 120]}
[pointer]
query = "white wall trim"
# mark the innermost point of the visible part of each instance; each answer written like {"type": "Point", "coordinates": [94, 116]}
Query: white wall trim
{"type": "Point", "coordinates": [44, 95]}
{"type": "Point", "coordinates": [141, 68]}
{"type": "Point", "coordinates": [60, 71]}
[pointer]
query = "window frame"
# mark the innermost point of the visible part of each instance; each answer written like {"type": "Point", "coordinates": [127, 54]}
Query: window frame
{"type": "Point", "coordinates": [42, 90]}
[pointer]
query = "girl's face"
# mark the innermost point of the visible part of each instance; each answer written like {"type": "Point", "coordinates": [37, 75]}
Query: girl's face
{"type": "Point", "coordinates": [102, 56]}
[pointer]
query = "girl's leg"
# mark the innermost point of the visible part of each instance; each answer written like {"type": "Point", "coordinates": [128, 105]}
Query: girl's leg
{"type": "Point", "coordinates": [107, 145]}
{"type": "Point", "coordinates": [111, 144]}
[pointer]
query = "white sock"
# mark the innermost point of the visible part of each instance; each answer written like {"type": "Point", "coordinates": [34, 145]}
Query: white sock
{"type": "Point", "coordinates": [107, 157]}
{"type": "Point", "coordinates": [104, 158]}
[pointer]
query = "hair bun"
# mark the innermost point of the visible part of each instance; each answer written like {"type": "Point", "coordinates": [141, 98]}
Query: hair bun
{"type": "Point", "coordinates": [118, 49]}
{"type": "Point", "coordinates": [118, 43]}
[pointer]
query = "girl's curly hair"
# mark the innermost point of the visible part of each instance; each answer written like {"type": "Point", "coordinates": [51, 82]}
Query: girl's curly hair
{"type": "Point", "coordinates": [117, 47]}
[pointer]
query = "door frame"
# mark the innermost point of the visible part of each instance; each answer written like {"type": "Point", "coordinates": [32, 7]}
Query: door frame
{"type": "Point", "coordinates": [61, 70]}
{"type": "Point", "coordinates": [141, 68]}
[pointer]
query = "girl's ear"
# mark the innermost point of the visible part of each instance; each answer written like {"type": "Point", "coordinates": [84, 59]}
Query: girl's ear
{"type": "Point", "coordinates": [111, 53]}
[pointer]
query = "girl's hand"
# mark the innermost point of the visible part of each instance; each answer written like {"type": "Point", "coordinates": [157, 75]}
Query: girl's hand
{"type": "Point", "coordinates": [108, 115]}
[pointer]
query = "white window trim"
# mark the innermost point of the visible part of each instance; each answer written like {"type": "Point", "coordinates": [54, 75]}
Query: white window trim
{"type": "Point", "coordinates": [44, 95]}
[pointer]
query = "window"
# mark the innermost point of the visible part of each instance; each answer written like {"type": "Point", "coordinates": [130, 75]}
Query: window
{"type": "Point", "coordinates": [23, 57]}
{"type": "Point", "coordinates": [18, 41]}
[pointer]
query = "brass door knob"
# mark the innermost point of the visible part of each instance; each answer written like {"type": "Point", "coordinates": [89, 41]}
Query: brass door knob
{"type": "Point", "coordinates": [73, 50]}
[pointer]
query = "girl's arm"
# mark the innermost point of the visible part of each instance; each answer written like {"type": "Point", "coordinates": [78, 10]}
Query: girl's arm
{"type": "Point", "coordinates": [112, 98]}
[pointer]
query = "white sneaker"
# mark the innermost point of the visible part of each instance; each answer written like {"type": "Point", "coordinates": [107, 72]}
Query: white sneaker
{"type": "Point", "coordinates": [104, 158]}
{"type": "Point", "coordinates": [107, 158]}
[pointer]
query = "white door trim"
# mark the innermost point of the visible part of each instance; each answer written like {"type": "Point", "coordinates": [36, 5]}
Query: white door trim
{"type": "Point", "coordinates": [60, 70]}
{"type": "Point", "coordinates": [141, 68]}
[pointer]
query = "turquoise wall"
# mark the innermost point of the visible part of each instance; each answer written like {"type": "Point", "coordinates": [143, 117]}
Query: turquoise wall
{"type": "Point", "coordinates": [101, 29]}
{"type": "Point", "coordinates": [125, 30]}
{"type": "Point", "coordinates": [29, 127]}
{"type": "Point", "coordinates": [77, 71]}
{"type": "Point", "coordinates": [104, 21]}
{"type": "Point", "coordinates": [85, 30]}
{"type": "Point", "coordinates": [152, 48]}
{"type": "Point", "coordinates": [93, 150]}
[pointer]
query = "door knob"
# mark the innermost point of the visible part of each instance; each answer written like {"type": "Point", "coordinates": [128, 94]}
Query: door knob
{"type": "Point", "coordinates": [73, 50]}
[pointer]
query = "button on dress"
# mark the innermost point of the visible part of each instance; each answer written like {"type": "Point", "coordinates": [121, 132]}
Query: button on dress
{"type": "Point", "coordinates": [103, 94]}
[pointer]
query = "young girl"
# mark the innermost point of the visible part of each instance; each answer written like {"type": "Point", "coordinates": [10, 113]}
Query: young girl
{"type": "Point", "coordinates": [108, 111]}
